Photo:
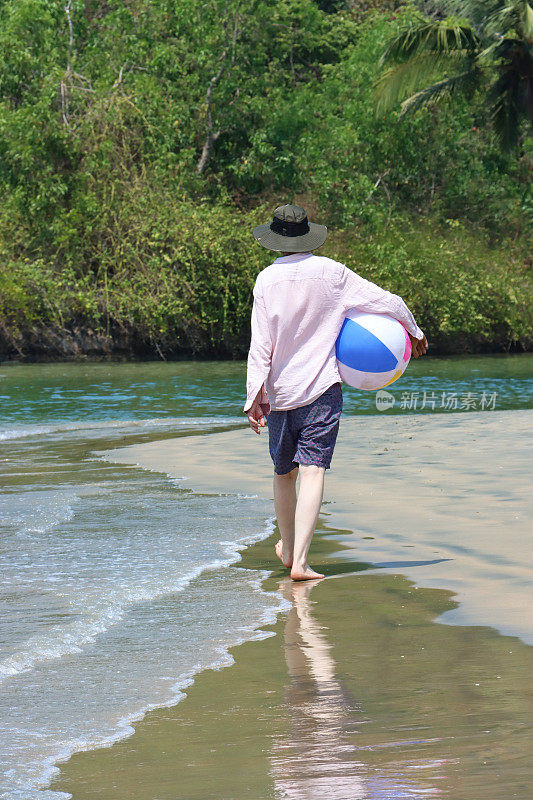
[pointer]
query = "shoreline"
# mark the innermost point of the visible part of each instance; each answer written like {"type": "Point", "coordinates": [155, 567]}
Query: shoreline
{"type": "Point", "coordinates": [441, 487]}
{"type": "Point", "coordinates": [50, 345]}
{"type": "Point", "coordinates": [383, 614]}
{"type": "Point", "coordinates": [348, 666]}
{"type": "Point", "coordinates": [125, 726]}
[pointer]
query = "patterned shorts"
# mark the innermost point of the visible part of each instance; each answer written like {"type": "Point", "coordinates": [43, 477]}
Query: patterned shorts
{"type": "Point", "coordinates": [305, 435]}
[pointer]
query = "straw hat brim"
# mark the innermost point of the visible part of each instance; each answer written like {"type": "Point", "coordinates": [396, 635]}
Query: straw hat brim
{"type": "Point", "coordinates": [315, 237]}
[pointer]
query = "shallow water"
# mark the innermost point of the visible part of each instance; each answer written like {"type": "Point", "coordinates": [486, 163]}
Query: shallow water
{"type": "Point", "coordinates": [34, 393]}
{"type": "Point", "coordinates": [117, 585]}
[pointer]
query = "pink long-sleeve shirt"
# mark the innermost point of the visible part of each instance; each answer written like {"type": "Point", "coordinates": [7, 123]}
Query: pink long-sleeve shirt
{"type": "Point", "coordinates": [300, 302]}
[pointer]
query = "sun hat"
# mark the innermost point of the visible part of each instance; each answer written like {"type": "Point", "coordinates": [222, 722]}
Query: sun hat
{"type": "Point", "coordinates": [290, 231]}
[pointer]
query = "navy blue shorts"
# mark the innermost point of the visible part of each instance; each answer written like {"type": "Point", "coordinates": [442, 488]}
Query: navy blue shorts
{"type": "Point", "coordinates": [305, 435]}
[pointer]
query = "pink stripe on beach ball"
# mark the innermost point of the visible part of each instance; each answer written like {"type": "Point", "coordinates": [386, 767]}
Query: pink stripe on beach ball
{"type": "Point", "coordinates": [407, 351]}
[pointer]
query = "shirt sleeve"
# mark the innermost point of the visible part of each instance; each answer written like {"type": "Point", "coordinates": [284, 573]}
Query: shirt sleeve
{"type": "Point", "coordinates": [357, 292]}
{"type": "Point", "coordinates": [259, 354]}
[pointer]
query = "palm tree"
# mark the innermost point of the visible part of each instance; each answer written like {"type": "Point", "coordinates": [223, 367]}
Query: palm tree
{"type": "Point", "coordinates": [489, 47]}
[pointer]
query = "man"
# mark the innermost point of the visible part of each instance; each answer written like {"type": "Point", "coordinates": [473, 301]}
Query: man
{"type": "Point", "coordinates": [300, 302]}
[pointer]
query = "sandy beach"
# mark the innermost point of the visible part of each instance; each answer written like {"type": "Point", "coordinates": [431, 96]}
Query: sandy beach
{"type": "Point", "coordinates": [358, 692]}
{"type": "Point", "coordinates": [443, 499]}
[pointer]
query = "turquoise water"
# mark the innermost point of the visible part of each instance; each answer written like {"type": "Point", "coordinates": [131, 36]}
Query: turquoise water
{"type": "Point", "coordinates": [35, 393]}
{"type": "Point", "coordinates": [117, 585]}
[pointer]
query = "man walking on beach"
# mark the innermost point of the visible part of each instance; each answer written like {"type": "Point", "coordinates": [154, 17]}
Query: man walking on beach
{"type": "Point", "coordinates": [300, 302]}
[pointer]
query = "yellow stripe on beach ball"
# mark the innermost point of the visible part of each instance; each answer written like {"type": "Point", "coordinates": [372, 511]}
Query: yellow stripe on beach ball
{"type": "Point", "coordinates": [394, 377]}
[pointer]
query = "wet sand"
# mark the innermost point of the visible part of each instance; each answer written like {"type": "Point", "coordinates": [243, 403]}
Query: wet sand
{"type": "Point", "coordinates": [444, 499]}
{"type": "Point", "coordinates": [360, 694]}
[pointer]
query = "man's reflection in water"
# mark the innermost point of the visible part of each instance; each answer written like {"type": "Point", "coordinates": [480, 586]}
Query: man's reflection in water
{"type": "Point", "coordinates": [316, 759]}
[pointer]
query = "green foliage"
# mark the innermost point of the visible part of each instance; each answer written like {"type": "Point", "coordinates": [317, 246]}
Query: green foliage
{"type": "Point", "coordinates": [495, 49]}
{"type": "Point", "coordinates": [466, 293]}
{"type": "Point", "coordinates": [177, 279]}
{"type": "Point", "coordinates": [325, 142]}
{"type": "Point", "coordinates": [141, 141]}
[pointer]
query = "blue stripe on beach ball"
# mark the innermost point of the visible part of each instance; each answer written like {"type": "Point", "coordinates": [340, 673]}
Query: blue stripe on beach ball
{"type": "Point", "coordinates": [359, 349]}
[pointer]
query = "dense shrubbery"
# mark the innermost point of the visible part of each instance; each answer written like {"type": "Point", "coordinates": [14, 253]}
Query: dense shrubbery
{"type": "Point", "coordinates": [135, 157]}
{"type": "Point", "coordinates": [176, 280]}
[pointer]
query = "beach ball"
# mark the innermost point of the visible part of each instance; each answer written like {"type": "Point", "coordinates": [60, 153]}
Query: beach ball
{"type": "Point", "coordinates": [372, 350]}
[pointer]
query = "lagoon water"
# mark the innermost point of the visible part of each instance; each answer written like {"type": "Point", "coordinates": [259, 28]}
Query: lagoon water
{"type": "Point", "coordinates": [118, 585]}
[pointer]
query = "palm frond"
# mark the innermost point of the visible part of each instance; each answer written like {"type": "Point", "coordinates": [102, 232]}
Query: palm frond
{"type": "Point", "coordinates": [465, 82]}
{"type": "Point", "coordinates": [492, 34]}
{"type": "Point", "coordinates": [402, 79]}
{"type": "Point", "coordinates": [493, 17]}
{"type": "Point", "coordinates": [510, 17]}
{"type": "Point", "coordinates": [487, 56]}
{"type": "Point", "coordinates": [428, 35]}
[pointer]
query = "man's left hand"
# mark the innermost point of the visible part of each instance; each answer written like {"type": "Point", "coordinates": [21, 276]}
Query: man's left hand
{"type": "Point", "coordinates": [418, 346]}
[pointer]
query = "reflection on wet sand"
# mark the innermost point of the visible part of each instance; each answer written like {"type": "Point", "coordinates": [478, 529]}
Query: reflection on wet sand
{"type": "Point", "coordinates": [317, 757]}
{"type": "Point", "coordinates": [358, 695]}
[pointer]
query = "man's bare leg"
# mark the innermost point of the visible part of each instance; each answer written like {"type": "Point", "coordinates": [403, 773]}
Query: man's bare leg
{"type": "Point", "coordinates": [285, 506]}
{"type": "Point", "coordinates": [305, 519]}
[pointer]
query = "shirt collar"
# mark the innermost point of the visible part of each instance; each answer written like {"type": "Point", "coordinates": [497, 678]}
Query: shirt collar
{"type": "Point", "coordinates": [292, 257]}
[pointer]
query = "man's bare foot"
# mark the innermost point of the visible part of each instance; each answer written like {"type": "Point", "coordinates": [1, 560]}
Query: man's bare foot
{"type": "Point", "coordinates": [305, 573]}
{"type": "Point", "coordinates": [287, 562]}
